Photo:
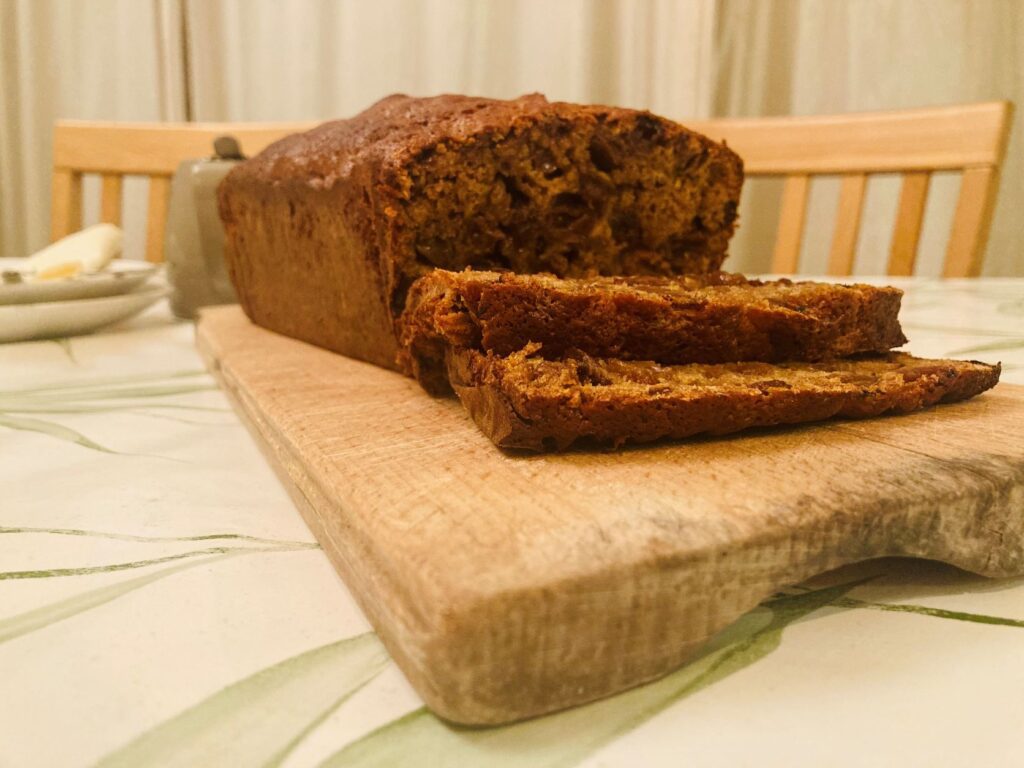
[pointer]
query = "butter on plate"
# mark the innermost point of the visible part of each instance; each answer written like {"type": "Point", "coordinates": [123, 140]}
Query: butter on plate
{"type": "Point", "coordinates": [84, 252]}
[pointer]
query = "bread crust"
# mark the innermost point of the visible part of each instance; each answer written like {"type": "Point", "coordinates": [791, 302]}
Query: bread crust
{"type": "Point", "coordinates": [526, 402]}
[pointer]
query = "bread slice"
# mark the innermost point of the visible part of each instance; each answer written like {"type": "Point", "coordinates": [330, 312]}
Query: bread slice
{"type": "Point", "coordinates": [706, 318]}
{"type": "Point", "coordinates": [525, 401]}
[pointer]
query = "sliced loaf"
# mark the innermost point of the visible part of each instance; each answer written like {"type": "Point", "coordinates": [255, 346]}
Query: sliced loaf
{"type": "Point", "coordinates": [326, 230]}
{"type": "Point", "coordinates": [709, 318]}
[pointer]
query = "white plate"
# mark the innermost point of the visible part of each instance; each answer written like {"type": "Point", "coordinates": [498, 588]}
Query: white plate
{"type": "Point", "coordinates": [119, 277]}
{"type": "Point", "coordinates": [20, 322]}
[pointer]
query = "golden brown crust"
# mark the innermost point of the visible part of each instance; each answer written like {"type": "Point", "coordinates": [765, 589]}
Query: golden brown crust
{"type": "Point", "coordinates": [524, 401]}
{"type": "Point", "coordinates": [711, 318]}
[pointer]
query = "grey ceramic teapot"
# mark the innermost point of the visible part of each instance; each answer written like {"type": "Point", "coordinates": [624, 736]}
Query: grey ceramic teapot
{"type": "Point", "coordinates": [194, 241]}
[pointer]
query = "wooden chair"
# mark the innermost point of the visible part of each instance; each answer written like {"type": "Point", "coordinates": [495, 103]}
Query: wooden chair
{"type": "Point", "coordinates": [915, 143]}
{"type": "Point", "coordinates": [116, 150]}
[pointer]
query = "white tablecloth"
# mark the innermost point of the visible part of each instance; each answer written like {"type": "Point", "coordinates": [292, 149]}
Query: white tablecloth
{"type": "Point", "coordinates": [162, 603]}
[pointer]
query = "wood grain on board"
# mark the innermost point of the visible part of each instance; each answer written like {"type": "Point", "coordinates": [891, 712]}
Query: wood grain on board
{"type": "Point", "coordinates": [507, 586]}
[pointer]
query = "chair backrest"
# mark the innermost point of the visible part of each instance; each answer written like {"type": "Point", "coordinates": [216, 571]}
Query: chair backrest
{"type": "Point", "coordinates": [970, 138]}
{"type": "Point", "coordinates": [116, 150]}
{"type": "Point", "coordinates": [914, 143]}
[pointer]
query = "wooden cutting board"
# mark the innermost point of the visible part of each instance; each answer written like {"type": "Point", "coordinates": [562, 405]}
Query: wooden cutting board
{"type": "Point", "coordinates": [507, 586]}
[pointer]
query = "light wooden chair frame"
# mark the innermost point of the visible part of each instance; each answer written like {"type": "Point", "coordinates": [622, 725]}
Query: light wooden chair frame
{"type": "Point", "coordinates": [915, 143]}
{"type": "Point", "coordinates": [116, 150]}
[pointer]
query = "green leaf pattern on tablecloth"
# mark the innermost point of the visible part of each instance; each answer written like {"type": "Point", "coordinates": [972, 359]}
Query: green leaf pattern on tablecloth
{"type": "Point", "coordinates": [420, 738]}
{"type": "Point", "coordinates": [542, 743]}
{"type": "Point", "coordinates": [134, 537]}
{"type": "Point", "coordinates": [29, 621]}
{"type": "Point", "coordinates": [257, 721]}
{"type": "Point", "coordinates": [94, 396]}
{"type": "Point", "coordinates": [67, 348]}
{"type": "Point", "coordinates": [47, 573]}
{"type": "Point", "coordinates": [38, 618]}
{"type": "Point", "coordinates": [924, 610]}
{"type": "Point", "coordinates": [50, 428]}
{"type": "Point", "coordinates": [263, 718]}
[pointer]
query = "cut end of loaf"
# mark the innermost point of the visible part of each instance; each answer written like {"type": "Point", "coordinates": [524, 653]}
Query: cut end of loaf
{"type": "Point", "coordinates": [573, 191]}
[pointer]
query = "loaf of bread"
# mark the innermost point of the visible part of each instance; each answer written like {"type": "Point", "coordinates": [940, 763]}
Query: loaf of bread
{"type": "Point", "coordinates": [709, 318]}
{"type": "Point", "coordinates": [557, 265]}
{"type": "Point", "coordinates": [327, 230]}
{"type": "Point", "coordinates": [526, 401]}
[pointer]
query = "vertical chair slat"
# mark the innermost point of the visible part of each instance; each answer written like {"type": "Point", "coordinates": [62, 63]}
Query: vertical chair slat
{"type": "Point", "coordinates": [971, 222]}
{"type": "Point", "coordinates": [909, 216]}
{"type": "Point", "coordinates": [159, 194]}
{"type": "Point", "coordinates": [110, 201]}
{"type": "Point", "coordinates": [791, 224]}
{"type": "Point", "coordinates": [844, 240]}
{"type": "Point", "coordinates": [65, 203]}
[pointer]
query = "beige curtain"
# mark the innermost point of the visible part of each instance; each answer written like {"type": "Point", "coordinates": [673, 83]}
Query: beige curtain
{"type": "Point", "coordinates": [103, 59]}
{"type": "Point", "coordinates": [315, 59]}
{"type": "Point", "coordinates": [776, 57]}
{"type": "Point", "coordinates": [266, 60]}
{"type": "Point", "coordinates": [252, 60]}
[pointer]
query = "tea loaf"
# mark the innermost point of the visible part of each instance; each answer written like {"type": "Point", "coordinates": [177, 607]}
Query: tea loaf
{"type": "Point", "coordinates": [709, 318]}
{"type": "Point", "coordinates": [526, 401]}
{"type": "Point", "coordinates": [327, 230]}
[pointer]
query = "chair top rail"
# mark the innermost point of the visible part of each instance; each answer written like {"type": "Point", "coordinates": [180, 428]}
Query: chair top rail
{"type": "Point", "coordinates": [934, 138]}
{"type": "Point", "coordinates": [152, 149]}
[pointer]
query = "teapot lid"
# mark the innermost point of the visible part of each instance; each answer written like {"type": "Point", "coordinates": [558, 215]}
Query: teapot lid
{"type": "Point", "coordinates": [227, 148]}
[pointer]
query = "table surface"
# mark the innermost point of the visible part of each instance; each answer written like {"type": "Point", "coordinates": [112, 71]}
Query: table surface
{"type": "Point", "coordinates": [162, 602]}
